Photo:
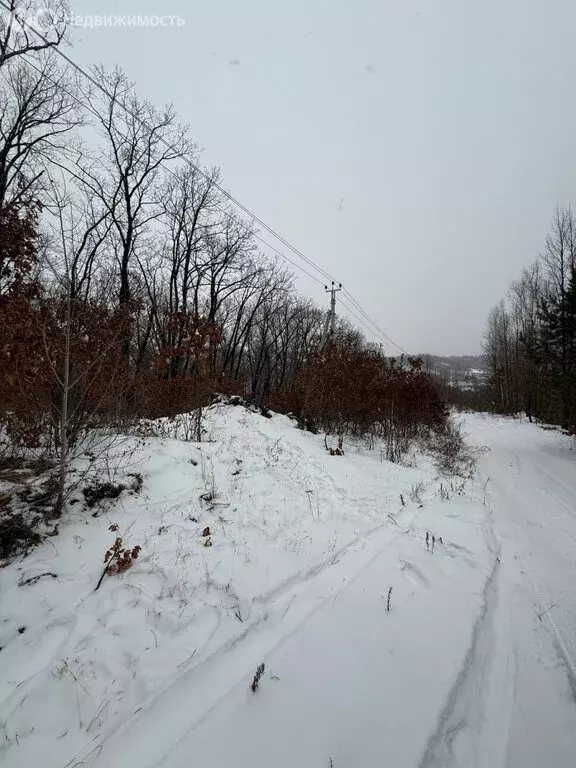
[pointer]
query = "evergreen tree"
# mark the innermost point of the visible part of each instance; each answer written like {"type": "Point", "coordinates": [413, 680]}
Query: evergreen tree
{"type": "Point", "coordinates": [555, 352]}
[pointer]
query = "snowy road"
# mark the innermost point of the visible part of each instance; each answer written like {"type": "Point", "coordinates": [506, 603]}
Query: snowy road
{"type": "Point", "coordinates": [529, 476]}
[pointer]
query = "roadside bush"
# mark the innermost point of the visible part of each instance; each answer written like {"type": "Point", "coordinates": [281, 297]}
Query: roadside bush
{"type": "Point", "coordinates": [352, 390]}
{"type": "Point", "coordinates": [453, 455]}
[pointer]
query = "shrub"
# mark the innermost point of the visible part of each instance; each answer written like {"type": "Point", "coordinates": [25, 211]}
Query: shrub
{"type": "Point", "coordinates": [118, 558]}
{"type": "Point", "coordinates": [256, 680]}
{"type": "Point", "coordinates": [17, 534]}
{"type": "Point", "coordinates": [358, 391]}
{"type": "Point", "coordinates": [454, 456]}
{"type": "Point", "coordinates": [26, 508]}
{"type": "Point", "coordinates": [97, 492]}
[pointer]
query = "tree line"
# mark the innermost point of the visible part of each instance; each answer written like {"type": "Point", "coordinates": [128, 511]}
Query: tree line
{"type": "Point", "coordinates": [530, 339]}
{"type": "Point", "coordinates": [130, 288]}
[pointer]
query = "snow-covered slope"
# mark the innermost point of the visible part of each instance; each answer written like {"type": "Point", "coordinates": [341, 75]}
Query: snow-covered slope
{"type": "Point", "coordinates": [155, 667]}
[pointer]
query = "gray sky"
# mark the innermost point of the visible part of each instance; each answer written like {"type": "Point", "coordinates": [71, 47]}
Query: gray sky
{"type": "Point", "coordinates": [415, 149]}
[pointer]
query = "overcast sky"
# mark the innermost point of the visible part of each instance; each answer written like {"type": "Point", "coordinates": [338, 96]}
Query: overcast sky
{"type": "Point", "coordinates": [415, 149]}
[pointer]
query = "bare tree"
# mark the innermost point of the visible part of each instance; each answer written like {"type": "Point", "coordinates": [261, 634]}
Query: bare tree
{"type": "Point", "coordinates": [138, 142]}
{"type": "Point", "coordinates": [77, 238]}
{"type": "Point", "coordinates": [531, 338]}
{"type": "Point", "coordinates": [499, 350]}
{"type": "Point", "coordinates": [525, 297]}
{"type": "Point", "coordinates": [559, 254]}
{"type": "Point", "coordinates": [38, 112]}
{"type": "Point", "coordinates": [190, 211]}
{"type": "Point", "coordinates": [28, 26]}
{"type": "Point", "coordinates": [191, 207]}
{"type": "Point", "coordinates": [230, 261]}
{"type": "Point", "coordinates": [84, 370]}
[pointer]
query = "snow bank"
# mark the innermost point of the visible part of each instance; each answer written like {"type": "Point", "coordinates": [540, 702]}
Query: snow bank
{"type": "Point", "coordinates": [156, 665]}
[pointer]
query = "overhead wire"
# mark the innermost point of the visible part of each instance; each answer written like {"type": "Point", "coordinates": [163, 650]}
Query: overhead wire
{"type": "Point", "coordinates": [374, 325]}
{"type": "Point", "coordinates": [357, 317]}
{"type": "Point", "coordinates": [388, 343]}
{"type": "Point", "coordinates": [169, 170]}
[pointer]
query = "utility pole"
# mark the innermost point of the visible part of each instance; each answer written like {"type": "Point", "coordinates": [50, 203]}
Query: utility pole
{"type": "Point", "coordinates": [331, 316]}
{"type": "Point", "coordinates": [333, 291]}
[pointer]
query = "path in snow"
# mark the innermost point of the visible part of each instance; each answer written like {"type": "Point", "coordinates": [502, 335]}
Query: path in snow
{"type": "Point", "coordinates": [526, 693]}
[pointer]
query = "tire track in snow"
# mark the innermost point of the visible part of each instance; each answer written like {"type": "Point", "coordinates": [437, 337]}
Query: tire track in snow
{"type": "Point", "coordinates": [557, 640]}
{"type": "Point", "coordinates": [516, 500]}
{"type": "Point", "coordinates": [186, 674]}
{"type": "Point", "coordinates": [455, 741]}
{"type": "Point", "coordinates": [567, 505]}
{"type": "Point", "coordinates": [283, 639]}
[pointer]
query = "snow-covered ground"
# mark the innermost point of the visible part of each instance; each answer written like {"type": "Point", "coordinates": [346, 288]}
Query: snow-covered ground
{"type": "Point", "coordinates": [155, 668]}
{"type": "Point", "coordinates": [529, 683]}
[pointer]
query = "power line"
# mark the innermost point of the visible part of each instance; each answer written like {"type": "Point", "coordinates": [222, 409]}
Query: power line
{"type": "Point", "coordinates": [384, 339]}
{"type": "Point", "coordinates": [356, 316]}
{"type": "Point", "coordinates": [373, 323]}
{"type": "Point", "coordinates": [169, 170]}
{"type": "Point", "coordinates": [310, 262]}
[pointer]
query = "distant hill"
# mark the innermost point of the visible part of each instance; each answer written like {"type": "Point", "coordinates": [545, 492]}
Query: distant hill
{"type": "Point", "coordinates": [463, 371]}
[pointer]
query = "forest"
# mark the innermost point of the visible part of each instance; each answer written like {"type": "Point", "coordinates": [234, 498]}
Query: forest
{"type": "Point", "coordinates": [530, 339]}
{"type": "Point", "coordinates": [131, 288]}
